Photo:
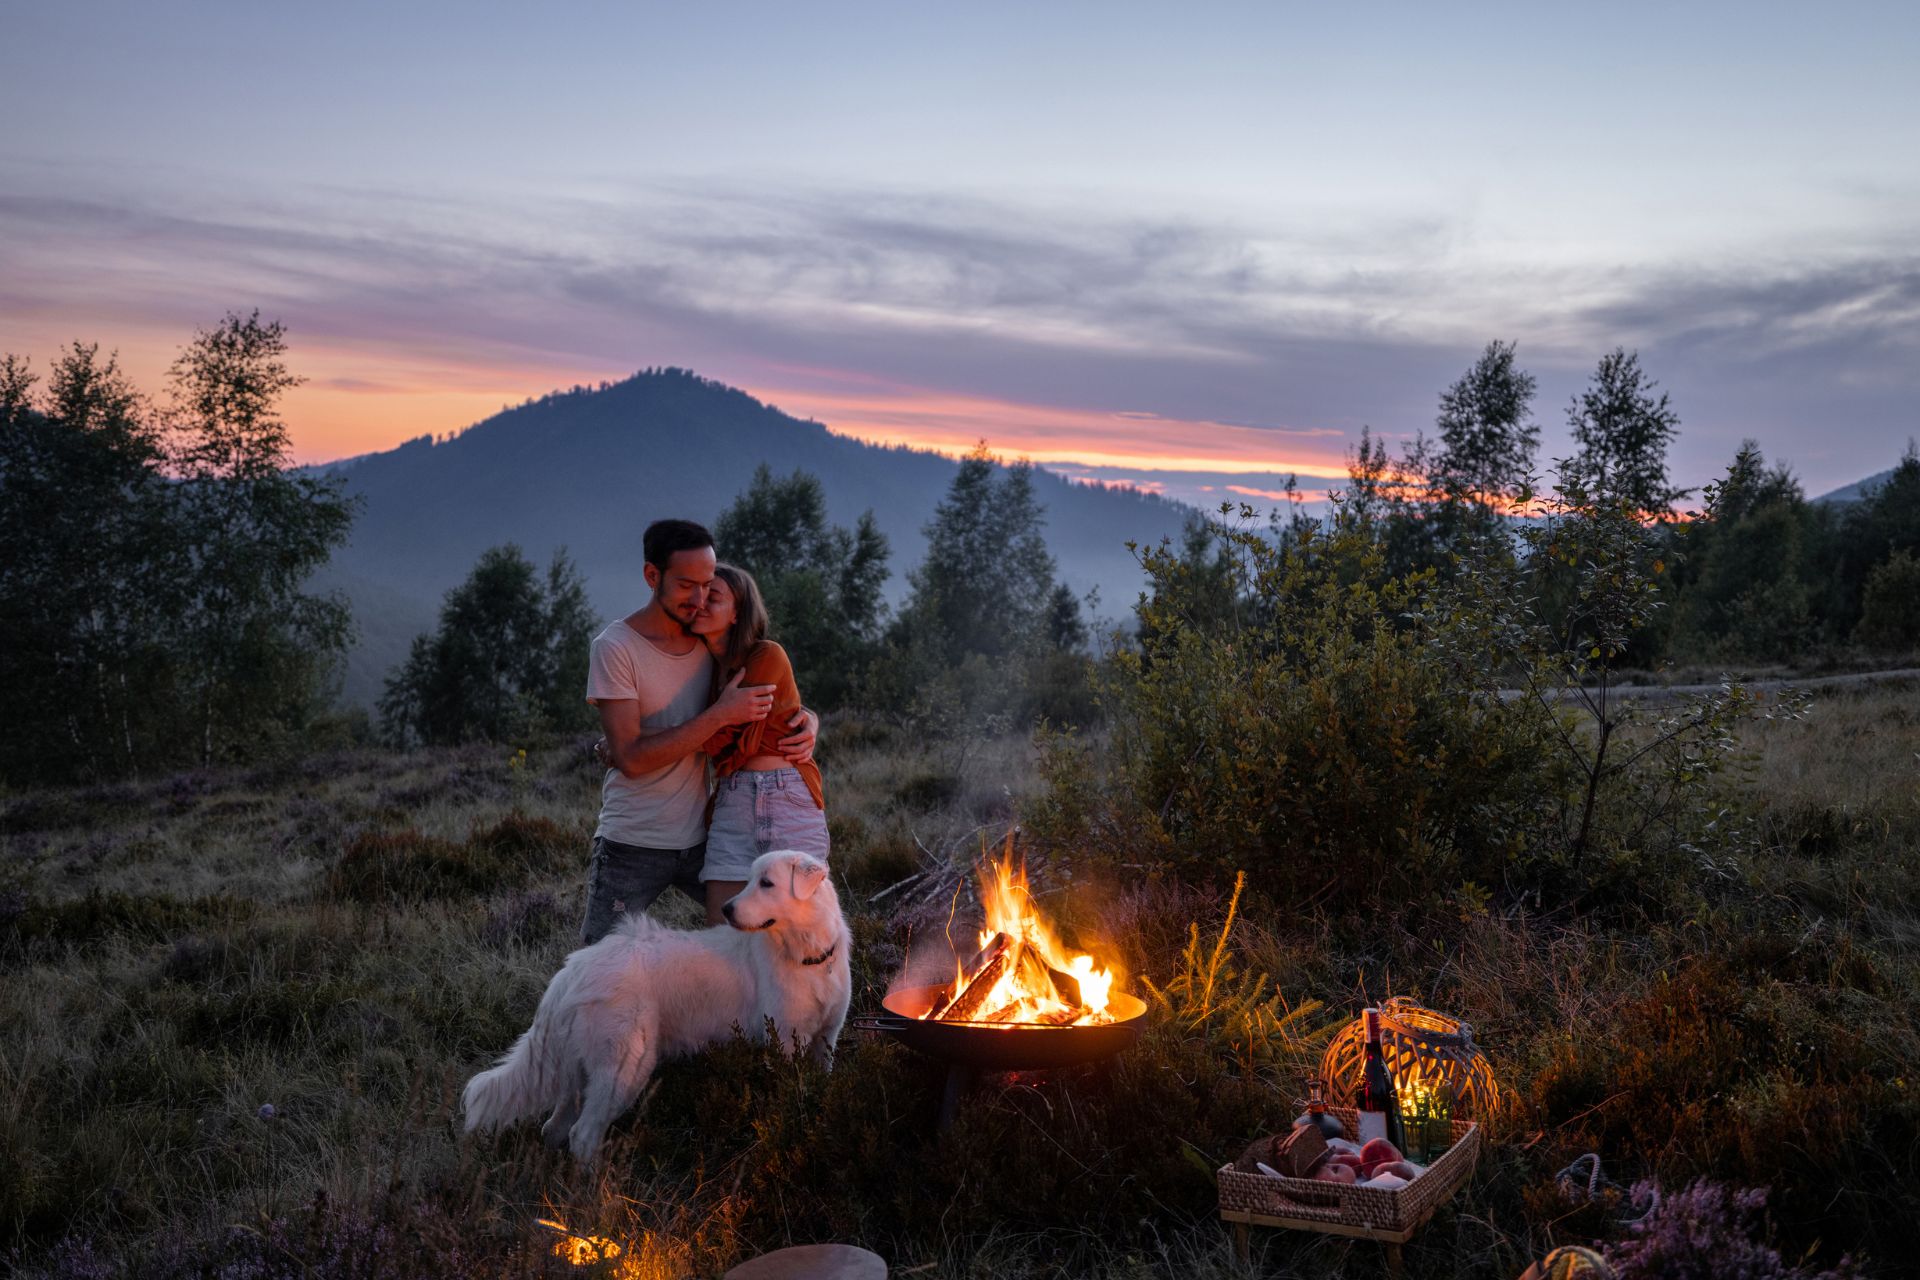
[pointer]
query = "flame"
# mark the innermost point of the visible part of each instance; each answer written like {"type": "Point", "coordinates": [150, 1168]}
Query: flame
{"type": "Point", "coordinates": [650, 1257]}
{"type": "Point", "coordinates": [580, 1251]}
{"type": "Point", "coordinates": [1027, 990]}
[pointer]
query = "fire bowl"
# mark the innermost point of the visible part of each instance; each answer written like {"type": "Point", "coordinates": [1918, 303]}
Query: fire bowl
{"type": "Point", "coordinates": [987, 1046]}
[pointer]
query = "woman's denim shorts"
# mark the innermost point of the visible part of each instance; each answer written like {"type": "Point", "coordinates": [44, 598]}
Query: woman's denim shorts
{"type": "Point", "coordinates": [756, 813]}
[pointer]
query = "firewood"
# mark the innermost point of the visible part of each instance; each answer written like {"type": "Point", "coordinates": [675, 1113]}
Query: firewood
{"type": "Point", "coordinates": [968, 1002]}
{"type": "Point", "coordinates": [1003, 1014]}
{"type": "Point", "coordinates": [996, 946]}
{"type": "Point", "coordinates": [1066, 986]}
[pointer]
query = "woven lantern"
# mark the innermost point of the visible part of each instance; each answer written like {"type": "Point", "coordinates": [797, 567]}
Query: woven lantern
{"type": "Point", "coordinates": [1429, 1055]}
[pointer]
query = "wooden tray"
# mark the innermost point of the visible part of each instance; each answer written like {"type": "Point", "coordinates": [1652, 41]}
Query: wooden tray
{"type": "Point", "coordinates": [1367, 1213]}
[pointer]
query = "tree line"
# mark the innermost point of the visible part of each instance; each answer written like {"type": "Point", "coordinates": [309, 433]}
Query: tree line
{"type": "Point", "coordinates": [986, 637]}
{"type": "Point", "coordinates": [1755, 573]}
{"type": "Point", "coordinates": [154, 585]}
{"type": "Point", "coordinates": [152, 588]}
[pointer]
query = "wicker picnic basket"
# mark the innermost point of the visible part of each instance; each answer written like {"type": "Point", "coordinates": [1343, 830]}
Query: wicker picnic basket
{"type": "Point", "coordinates": [1351, 1210]}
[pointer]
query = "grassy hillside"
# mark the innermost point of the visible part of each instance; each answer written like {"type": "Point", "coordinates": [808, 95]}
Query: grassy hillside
{"type": "Point", "coordinates": [238, 1008]}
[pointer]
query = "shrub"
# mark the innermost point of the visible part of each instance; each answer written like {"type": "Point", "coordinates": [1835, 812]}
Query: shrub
{"type": "Point", "coordinates": [1707, 1232]}
{"type": "Point", "coordinates": [537, 845]}
{"type": "Point", "coordinates": [1348, 727]}
{"type": "Point", "coordinates": [380, 865]}
{"type": "Point", "coordinates": [926, 791]}
{"type": "Point", "coordinates": [1777, 1083]}
{"type": "Point", "coordinates": [1345, 730]}
{"type": "Point", "coordinates": [1890, 608]}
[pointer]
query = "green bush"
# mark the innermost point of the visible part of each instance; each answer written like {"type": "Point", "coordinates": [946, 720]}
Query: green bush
{"type": "Point", "coordinates": [1351, 728]}
{"type": "Point", "coordinates": [1890, 607]}
{"type": "Point", "coordinates": [1344, 731]}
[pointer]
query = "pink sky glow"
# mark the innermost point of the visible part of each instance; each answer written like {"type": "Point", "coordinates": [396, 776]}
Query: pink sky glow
{"type": "Point", "coordinates": [1053, 436]}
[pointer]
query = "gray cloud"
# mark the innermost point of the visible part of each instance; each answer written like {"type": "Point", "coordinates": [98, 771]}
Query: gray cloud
{"type": "Point", "coordinates": [1290, 328]}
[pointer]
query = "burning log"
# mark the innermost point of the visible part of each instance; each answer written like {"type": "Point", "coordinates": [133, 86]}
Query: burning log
{"type": "Point", "coordinates": [996, 946]}
{"type": "Point", "coordinates": [1066, 986]}
{"type": "Point", "coordinates": [1021, 976]}
{"type": "Point", "coordinates": [967, 1004]}
{"type": "Point", "coordinates": [970, 975]}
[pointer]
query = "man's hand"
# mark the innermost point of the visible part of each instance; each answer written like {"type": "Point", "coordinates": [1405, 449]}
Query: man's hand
{"type": "Point", "coordinates": [744, 704]}
{"type": "Point", "coordinates": [798, 749]}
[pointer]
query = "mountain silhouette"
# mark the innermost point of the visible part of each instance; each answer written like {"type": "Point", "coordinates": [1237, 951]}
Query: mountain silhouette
{"type": "Point", "coordinates": [1859, 489]}
{"type": "Point", "coordinates": [589, 468]}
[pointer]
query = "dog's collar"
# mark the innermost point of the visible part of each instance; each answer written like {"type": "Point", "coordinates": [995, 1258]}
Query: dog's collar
{"type": "Point", "coordinates": [823, 957]}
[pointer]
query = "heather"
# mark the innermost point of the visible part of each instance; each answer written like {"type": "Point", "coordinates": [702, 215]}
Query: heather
{"type": "Point", "coordinates": [183, 956]}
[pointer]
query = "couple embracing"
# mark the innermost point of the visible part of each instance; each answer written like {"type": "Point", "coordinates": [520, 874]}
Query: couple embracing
{"type": "Point", "coordinates": [690, 679]}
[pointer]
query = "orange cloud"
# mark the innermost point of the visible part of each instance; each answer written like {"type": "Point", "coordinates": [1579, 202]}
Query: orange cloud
{"type": "Point", "coordinates": [362, 395]}
{"type": "Point", "coordinates": [1280, 495]}
{"type": "Point", "coordinates": [953, 424]}
{"type": "Point", "coordinates": [357, 398]}
{"type": "Point", "coordinates": [355, 401]}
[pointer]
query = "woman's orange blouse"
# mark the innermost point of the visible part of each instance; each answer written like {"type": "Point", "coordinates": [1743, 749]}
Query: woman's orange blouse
{"type": "Point", "coordinates": [735, 745]}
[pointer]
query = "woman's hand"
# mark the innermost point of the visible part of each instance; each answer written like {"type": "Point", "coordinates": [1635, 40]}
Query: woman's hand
{"type": "Point", "coordinates": [743, 703]}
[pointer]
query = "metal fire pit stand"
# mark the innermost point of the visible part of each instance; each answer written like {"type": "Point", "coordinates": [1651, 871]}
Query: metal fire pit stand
{"type": "Point", "coordinates": [959, 1080]}
{"type": "Point", "coordinates": [969, 1048]}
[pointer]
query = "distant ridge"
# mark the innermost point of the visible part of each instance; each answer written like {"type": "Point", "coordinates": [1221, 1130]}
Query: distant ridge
{"type": "Point", "coordinates": [1859, 489]}
{"type": "Point", "coordinates": [590, 467]}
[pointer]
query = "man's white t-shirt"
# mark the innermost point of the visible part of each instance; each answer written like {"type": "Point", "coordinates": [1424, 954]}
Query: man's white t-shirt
{"type": "Point", "coordinates": [667, 808]}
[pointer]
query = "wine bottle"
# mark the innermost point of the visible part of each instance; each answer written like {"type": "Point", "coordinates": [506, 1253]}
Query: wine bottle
{"type": "Point", "coordinates": [1317, 1114]}
{"type": "Point", "coordinates": [1375, 1101]}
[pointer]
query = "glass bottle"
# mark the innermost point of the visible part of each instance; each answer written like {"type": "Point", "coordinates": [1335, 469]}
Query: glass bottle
{"type": "Point", "coordinates": [1379, 1109]}
{"type": "Point", "coordinates": [1317, 1114]}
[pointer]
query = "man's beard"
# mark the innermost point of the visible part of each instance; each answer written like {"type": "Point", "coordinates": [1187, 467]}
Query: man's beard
{"type": "Point", "coordinates": [686, 624]}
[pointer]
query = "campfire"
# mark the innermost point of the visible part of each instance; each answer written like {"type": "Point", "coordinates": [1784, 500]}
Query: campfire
{"type": "Point", "coordinates": [1020, 1002]}
{"type": "Point", "coordinates": [1021, 975]}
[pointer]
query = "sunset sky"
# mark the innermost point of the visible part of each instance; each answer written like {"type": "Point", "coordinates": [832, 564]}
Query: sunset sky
{"type": "Point", "coordinates": [1192, 247]}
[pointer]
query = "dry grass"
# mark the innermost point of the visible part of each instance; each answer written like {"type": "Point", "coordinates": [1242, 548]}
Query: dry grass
{"type": "Point", "coordinates": [174, 961]}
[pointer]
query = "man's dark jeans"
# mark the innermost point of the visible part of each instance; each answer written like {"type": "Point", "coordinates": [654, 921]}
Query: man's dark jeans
{"type": "Point", "coordinates": [624, 879]}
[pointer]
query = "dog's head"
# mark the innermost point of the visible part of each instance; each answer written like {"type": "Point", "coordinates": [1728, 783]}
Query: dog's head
{"type": "Point", "coordinates": [783, 888]}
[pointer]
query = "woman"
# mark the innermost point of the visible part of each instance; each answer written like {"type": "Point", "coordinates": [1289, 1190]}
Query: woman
{"type": "Point", "coordinates": [760, 801]}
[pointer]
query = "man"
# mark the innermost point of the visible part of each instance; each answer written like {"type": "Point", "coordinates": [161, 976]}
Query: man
{"type": "Point", "coordinates": [651, 678]}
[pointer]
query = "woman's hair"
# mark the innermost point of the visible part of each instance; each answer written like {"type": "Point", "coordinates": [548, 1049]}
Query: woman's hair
{"type": "Point", "coordinates": [749, 623]}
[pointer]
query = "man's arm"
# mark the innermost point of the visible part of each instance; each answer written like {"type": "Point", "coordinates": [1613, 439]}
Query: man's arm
{"type": "Point", "coordinates": [633, 751]}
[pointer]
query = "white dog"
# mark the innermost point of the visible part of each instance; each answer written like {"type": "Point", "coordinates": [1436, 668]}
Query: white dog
{"type": "Point", "coordinates": [645, 992]}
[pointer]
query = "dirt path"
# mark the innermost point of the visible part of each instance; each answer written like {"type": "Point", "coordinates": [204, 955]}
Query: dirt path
{"type": "Point", "coordinates": [1851, 678]}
